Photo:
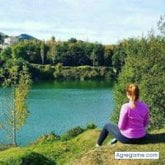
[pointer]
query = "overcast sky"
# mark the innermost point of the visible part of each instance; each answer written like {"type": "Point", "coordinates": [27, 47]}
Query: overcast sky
{"type": "Point", "coordinates": [104, 21]}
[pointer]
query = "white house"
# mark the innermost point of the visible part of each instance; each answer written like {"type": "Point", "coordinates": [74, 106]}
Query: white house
{"type": "Point", "coordinates": [2, 46]}
{"type": "Point", "coordinates": [10, 40]}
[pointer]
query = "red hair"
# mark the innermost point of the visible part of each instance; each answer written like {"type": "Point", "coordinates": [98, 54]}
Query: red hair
{"type": "Point", "coordinates": [133, 91]}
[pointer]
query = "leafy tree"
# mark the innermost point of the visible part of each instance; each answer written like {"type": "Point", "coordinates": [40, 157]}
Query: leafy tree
{"type": "Point", "coordinates": [28, 50]}
{"type": "Point", "coordinates": [161, 24]}
{"type": "Point", "coordinates": [1, 38]}
{"type": "Point", "coordinates": [118, 57]}
{"type": "Point", "coordinates": [5, 54]}
{"type": "Point", "coordinates": [77, 54]}
{"type": "Point", "coordinates": [144, 65]}
{"type": "Point", "coordinates": [108, 53]}
{"type": "Point", "coordinates": [19, 81]}
{"type": "Point", "coordinates": [52, 50]}
{"type": "Point", "coordinates": [9, 59]}
{"type": "Point", "coordinates": [93, 58]}
{"type": "Point", "coordinates": [42, 52]}
{"type": "Point", "coordinates": [97, 55]}
{"type": "Point", "coordinates": [72, 40]}
{"type": "Point", "coordinates": [88, 48]}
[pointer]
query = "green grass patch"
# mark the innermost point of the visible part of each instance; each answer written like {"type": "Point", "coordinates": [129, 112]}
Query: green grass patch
{"type": "Point", "coordinates": [52, 150]}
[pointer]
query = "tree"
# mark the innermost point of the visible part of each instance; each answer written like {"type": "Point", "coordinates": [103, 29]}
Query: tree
{"type": "Point", "coordinates": [2, 37]}
{"type": "Point", "coordinates": [108, 52]}
{"type": "Point", "coordinates": [72, 40]}
{"type": "Point", "coordinates": [5, 54]}
{"type": "Point", "coordinates": [144, 65]}
{"type": "Point", "coordinates": [97, 55]}
{"type": "Point", "coordinates": [118, 57]}
{"type": "Point", "coordinates": [52, 50]}
{"type": "Point", "coordinates": [76, 52]}
{"type": "Point", "coordinates": [42, 52]}
{"type": "Point", "coordinates": [161, 24]}
{"type": "Point", "coordinates": [15, 118]}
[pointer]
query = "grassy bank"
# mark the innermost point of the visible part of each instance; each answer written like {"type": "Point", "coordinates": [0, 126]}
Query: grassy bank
{"type": "Point", "coordinates": [80, 150]}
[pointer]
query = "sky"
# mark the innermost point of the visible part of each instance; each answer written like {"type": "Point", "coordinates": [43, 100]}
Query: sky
{"type": "Point", "coordinates": [103, 21]}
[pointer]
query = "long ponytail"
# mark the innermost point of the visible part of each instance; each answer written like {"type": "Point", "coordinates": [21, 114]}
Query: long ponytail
{"type": "Point", "coordinates": [133, 92]}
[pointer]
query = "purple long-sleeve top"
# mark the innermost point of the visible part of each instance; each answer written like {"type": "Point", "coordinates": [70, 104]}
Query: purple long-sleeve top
{"type": "Point", "coordinates": [133, 122]}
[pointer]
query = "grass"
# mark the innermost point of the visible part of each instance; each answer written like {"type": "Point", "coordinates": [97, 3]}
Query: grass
{"type": "Point", "coordinates": [79, 151]}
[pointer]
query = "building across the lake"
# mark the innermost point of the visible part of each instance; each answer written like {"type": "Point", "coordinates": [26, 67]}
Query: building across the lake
{"type": "Point", "coordinates": [10, 40]}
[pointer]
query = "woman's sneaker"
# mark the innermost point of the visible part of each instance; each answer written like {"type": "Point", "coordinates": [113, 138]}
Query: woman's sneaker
{"type": "Point", "coordinates": [113, 141]}
{"type": "Point", "coordinates": [97, 145]}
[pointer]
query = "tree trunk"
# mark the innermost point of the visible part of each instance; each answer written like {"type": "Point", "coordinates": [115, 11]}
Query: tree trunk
{"type": "Point", "coordinates": [14, 136]}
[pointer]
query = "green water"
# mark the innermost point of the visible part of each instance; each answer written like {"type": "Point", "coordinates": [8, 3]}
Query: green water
{"type": "Point", "coordinates": [59, 106]}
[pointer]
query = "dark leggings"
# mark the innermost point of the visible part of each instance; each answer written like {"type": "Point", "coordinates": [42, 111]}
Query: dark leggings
{"type": "Point", "coordinates": [114, 130]}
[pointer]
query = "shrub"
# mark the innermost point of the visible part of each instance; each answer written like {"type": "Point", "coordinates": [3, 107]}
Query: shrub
{"type": "Point", "coordinates": [36, 158]}
{"type": "Point", "coordinates": [144, 66]}
{"type": "Point", "coordinates": [47, 138]}
{"type": "Point", "coordinates": [72, 133]}
{"type": "Point", "coordinates": [91, 126]}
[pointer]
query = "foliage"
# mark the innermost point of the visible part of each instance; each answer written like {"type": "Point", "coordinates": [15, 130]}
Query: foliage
{"type": "Point", "coordinates": [20, 97]}
{"type": "Point", "coordinates": [161, 25]}
{"type": "Point", "coordinates": [68, 53]}
{"type": "Point", "coordinates": [35, 158]}
{"type": "Point", "coordinates": [27, 158]}
{"type": "Point", "coordinates": [144, 65]}
{"type": "Point", "coordinates": [72, 133]}
{"type": "Point", "coordinates": [15, 112]}
{"type": "Point", "coordinates": [41, 72]}
{"type": "Point", "coordinates": [5, 54]}
{"type": "Point", "coordinates": [83, 73]}
{"type": "Point", "coordinates": [91, 126]}
{"type": "Point", "coordinates": [118, 57]}
{"type": "Point", "coordinates": [42, 52]}
{"type": "Point", "coordinates": [58, 69]}
{"type": "Point", "coordinates": [52, 50]}
{"type": "Point", "coordinates": [1, 38]}
{"type": "Point", "coordinates": [49, 138]}
{"type": "Point", "coordinates": [60, 72]}
{"type": "Point", "coordinates": [72, 53]}
{"type": "Point", "coordinates": [28, 50]}
{"type": "Point", "coordinates": [81, 150]}
{"type": "Point", "coordinates": [108, 53]}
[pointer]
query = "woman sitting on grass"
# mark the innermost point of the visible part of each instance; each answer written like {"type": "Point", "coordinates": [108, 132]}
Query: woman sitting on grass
{"type": "Point", "coordinates": [133, 120]}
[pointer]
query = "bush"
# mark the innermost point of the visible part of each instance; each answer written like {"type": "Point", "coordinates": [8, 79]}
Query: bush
{"type": "Point", "coordinates": [91, 126]}
{"type": "Point", "coordinates": [72, 133]}
{"type": "Point", "coordinates": [82, 73]}
{"type": "Point", "coordinates": [41, 72]}
{"type": "Point", "coordinates": [144, 66]}
{"type": "Point", "coordinates": [49, 138]}
{"type": "Point", "coordinates": [36, 158]}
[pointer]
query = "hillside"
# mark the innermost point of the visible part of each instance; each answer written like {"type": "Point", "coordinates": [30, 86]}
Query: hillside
{"type": "Point", "coordinates": [80, 150]}
{"type": "Point", "coordinates": [25, 37]}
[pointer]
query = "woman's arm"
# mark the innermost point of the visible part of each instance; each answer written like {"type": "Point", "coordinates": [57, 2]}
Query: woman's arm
{"type": "Point", "coordinates": [123, 117]}
{"type": "Point", "coordinates": [146, 119]}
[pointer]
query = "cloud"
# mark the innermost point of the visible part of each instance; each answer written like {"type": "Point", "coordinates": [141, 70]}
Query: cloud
{"type": "Point", "coordinates": [104, 21]}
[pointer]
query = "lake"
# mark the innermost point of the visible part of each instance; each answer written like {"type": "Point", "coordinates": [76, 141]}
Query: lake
{"type": "Point", "coordinates": [58, 106]}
